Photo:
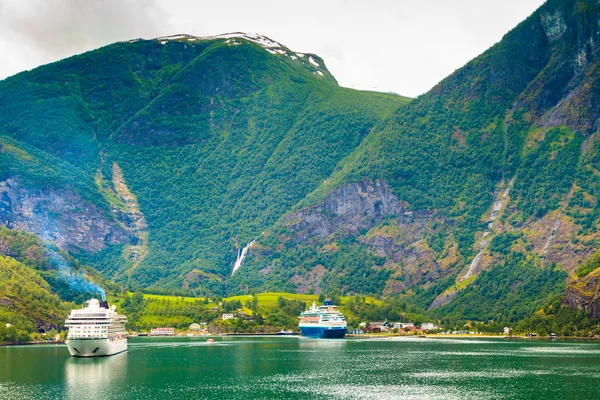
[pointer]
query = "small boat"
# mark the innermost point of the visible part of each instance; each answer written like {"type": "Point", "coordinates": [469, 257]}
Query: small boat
{"type": "Point", "coordinates": [210, 341]}
{"type": "Point", "coordinates": [284, 332]}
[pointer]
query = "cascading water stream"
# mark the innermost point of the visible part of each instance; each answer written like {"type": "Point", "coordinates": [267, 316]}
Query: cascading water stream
{"type": "Point", "coordinates": [240, 257]}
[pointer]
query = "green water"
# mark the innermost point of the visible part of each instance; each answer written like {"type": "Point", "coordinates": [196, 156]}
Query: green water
{"type": "Point", "coordinates": [291, 367]}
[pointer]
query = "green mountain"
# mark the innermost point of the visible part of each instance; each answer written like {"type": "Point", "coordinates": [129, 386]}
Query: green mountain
{"type": "Point", "coordinates": [158, 161]}
{"type": "Point", "coordinates": [477, 199]}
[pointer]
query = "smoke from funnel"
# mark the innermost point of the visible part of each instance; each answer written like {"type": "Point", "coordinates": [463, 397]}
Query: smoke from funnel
{"type": "Point", "coordinates": [76, 281]}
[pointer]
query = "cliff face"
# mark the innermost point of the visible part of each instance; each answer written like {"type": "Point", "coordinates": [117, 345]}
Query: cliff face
{"type": "Point", "coordinates": [565, 92]}
{"type": "Point", "coordinates": [59, 216]}
{"type": "Point", "coordinates": [584, 294]}
{"type": "Point", "coordinates": [360, 229]}
{"type": "Point", "coordinates": [352, 208]}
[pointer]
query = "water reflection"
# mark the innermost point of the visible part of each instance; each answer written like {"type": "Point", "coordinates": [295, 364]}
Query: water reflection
{"type": "Point", "coordinates": [87, 378]}
{"type": "Point", "coordinates": [322, 344]}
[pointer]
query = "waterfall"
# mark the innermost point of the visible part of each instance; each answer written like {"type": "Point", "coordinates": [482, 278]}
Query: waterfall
{"type": "Point", "coordinates": [240, 257]}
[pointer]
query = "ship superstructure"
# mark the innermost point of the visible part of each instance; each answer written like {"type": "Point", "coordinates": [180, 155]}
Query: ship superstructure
{"type": "Point", "coordinates": [323, 321]}
{"type": "Point", "coordinates": [96, 330]}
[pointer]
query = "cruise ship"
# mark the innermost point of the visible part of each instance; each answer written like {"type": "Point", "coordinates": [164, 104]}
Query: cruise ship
{"type": "Point", "coordinates": [323, 321]}
{"type": "Point", "coordinates": [96, 330]}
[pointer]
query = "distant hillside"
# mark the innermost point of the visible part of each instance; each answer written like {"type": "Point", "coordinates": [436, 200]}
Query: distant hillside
{"type": "Point", "coordinates": [479, 193]}
{"type": "Point", "coordinates": [39, 285]}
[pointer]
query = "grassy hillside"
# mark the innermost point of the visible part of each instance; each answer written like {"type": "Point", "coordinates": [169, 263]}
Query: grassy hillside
{"type": "Point", "coordinates": [270, 311]}
{"type": "Point", "coordinates": [26, 302]}
{"type": "Point", "coordinates": [39, 285]}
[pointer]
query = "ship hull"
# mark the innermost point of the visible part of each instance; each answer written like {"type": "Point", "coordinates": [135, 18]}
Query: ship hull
{"type": "Point", "coordinates": [323, 332]}
{"type": "Point", "coordinates": [96, 347]}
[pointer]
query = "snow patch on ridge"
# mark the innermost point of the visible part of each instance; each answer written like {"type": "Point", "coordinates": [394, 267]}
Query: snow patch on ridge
{"type": "Point", "coordinates": [252, 37]}
{"type": "Point", "coordinates": [266, 43]}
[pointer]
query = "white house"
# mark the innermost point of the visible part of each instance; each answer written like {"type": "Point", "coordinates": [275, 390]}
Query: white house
{"type": "Point", "coordinates": [402, 325]}
{"type": "Point", "coordinates": [227, 316]}
{"type": "Point", "coordinates": [428, 326]}
{"type": "Point", "coordinates": [195, 327]}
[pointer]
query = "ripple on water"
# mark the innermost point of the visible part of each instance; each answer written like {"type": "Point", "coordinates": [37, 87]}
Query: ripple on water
{"type": "Point", "coordinates": [563, 351]}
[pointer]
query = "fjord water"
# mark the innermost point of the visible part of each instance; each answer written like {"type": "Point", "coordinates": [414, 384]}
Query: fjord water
{"type": "Point", "coordinates": [300, 368]}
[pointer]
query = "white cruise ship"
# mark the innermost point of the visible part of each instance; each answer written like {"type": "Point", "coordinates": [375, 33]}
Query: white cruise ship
{"type": "Point", "coordinates": [96, 330]}
{"type": "Point", "coordinates": [323, 322]}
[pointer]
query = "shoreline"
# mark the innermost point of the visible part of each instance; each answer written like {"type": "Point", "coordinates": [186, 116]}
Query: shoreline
{"type": "Point", "coordinates": [352, 336]}
{"type": "Point", "coordinates": [44, 342]}
{"type": "Point", "coordinates": [474, 337]}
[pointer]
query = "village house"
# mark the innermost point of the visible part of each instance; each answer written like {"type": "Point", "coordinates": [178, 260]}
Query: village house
{"type": "Point", "coordinates": [227, 316]}
{"type": "Point", "coordinates": [195, 327]}
{"type": "Point", "coordinates": [376, 327]}
{"type": "Point", "coordinates": [428, 326]}
{"type": "Point", "coordinates": [244, 316]}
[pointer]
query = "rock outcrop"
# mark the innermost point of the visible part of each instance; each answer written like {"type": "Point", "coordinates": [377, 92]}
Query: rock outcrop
{"type": "Point", "coordinates": [352, 207]}
{"type": "Point", "coordinates": [584, 294]}
{"type": "Point", "coordinates": [381, 223]}
{"type": "Point", "coordinates": [59, 216]}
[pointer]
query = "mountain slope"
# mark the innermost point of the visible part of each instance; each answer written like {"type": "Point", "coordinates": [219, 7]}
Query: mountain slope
{"type": "Point", "coordinates": [157, 161]}
{"type": "Point", "coordinates": [494, 170]}
{"type": "Point", "coordinates": [180, 149]}
{"type": "Point", "coordinates": [38, 285]}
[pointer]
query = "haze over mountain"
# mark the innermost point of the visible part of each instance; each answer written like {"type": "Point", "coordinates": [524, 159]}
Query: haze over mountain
{"type": "Point", "coordinates": [157, 161]}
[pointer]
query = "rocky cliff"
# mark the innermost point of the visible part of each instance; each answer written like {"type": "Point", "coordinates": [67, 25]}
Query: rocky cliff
{"type": "Point", "coordinates": [352, 208]}
{"type": "Point", "coordinates": [366, 219]}
{"type": "Point", "coordinates": [58, 216]}
{"type": "Point", "coordinates": [584, 293]}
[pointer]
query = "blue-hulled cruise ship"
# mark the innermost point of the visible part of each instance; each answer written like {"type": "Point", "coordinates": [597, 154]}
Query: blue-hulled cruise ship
{"type": "Point", "coordinates": [323, 322]}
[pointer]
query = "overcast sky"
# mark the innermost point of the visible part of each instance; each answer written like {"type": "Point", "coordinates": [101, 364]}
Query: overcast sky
{"type": "Point", "coordinates": [403, 46]}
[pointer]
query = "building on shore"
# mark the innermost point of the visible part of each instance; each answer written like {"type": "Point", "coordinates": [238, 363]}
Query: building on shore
{"type": "Point", "coordinates": [428, 326]}
{"type": "Point", "coordinates": [162, 332]}
{"type": "Point", "coordinates": [194, 327]}
{"type": "Point", "coordinates": [402, 325]}
{"type": "Point", "coordinates": [379, 326]}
